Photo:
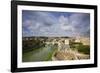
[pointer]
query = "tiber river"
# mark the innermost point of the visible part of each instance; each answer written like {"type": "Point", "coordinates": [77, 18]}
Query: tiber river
{"type": "Point", "coordinates": [41, 54]}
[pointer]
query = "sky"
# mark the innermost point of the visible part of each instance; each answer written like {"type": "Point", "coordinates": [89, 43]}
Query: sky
{"type": "Point", "coordinates": [55, 24]}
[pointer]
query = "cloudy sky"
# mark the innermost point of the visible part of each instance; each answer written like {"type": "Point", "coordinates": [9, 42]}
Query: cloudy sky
{"type": "Point", "coordinates": [41, 23]}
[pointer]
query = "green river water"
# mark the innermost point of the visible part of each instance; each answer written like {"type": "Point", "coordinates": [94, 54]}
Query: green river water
{"type": "Point", "coordinates": [40, 54]}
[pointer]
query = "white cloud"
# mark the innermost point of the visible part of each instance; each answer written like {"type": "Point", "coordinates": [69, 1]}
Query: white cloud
{"type": "Point", "coordinates": [65, 24]}
{"type": "Point", "coordinates": [63, 20]}
{"type": "Point", "coordinates": [81, 23]}
{"type": "Point", "coordinates": [46, 24]}
{"type": "Point", "coordinates": [38, 23]}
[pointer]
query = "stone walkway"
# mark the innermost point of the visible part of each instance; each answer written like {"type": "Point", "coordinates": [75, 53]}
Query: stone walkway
{"type": "Point", "coordinates": [69, 55]}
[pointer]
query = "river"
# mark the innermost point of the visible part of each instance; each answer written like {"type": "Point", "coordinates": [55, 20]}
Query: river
{"type": "Point", "coordinates": [40, 54]}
